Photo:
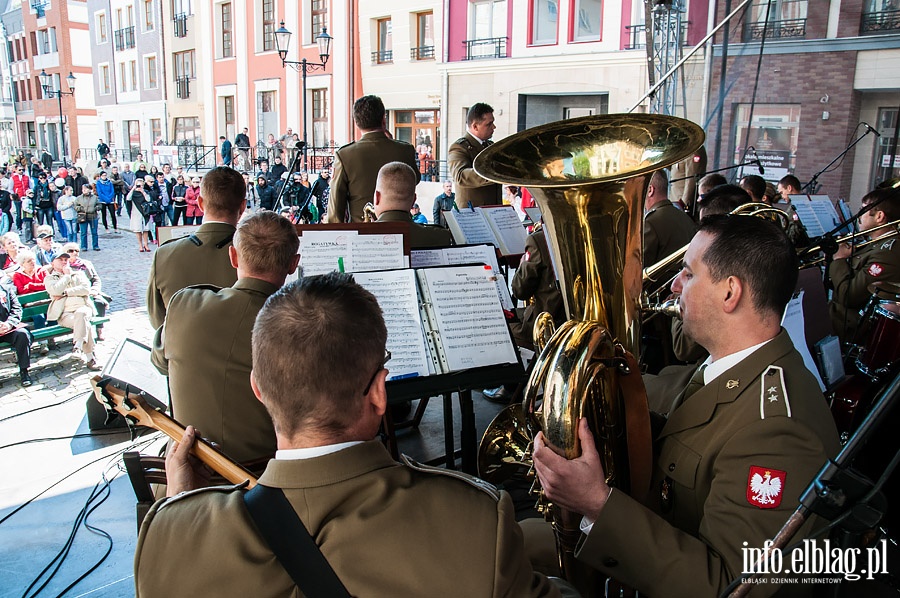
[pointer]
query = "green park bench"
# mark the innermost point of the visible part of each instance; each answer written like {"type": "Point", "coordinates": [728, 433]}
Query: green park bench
{"type": "Point", "coordinates": [37, 304]}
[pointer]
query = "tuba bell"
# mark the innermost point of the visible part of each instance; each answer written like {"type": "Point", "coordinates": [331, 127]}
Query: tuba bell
{"type": "Point", "coordinates": [589, 176]}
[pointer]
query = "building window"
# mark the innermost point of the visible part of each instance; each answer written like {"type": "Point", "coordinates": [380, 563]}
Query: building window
{"type": "Point", "coordinates": [184, 64]}
{"type": "Point", "coordinates": [102, 28]}
{"type": "Point", "coordinates": [487, 30]}
{"type": "Point", "coordinates": [787, 18]}
{"type": "Point", "coordinates": [148, 15]}
{"type": "Point", "coordinates": [228, 116]}
{"type": "Point", "coordinates": [318, 12]}
{"type": "Point", "coordinates": [586, 19]}
{"type": "Point", "coordinates": [123, 80]}
{"type": "Point", "coordinates": [774, 133]}
{"type": "Point", "coordinates": [150, 72]}
{"type": "Point", "coordinates": [110, 134]}
{"type": "Point", "coordinates": [155, 129]}
{"type": "Point", "coordinates": [544, 20]}
{"type": "Point", "coordinates": [320, 117]}
{"type": "Point", "coordinates": [105, 88]}
{"type": "Point", "coordinates": [424, 48]}
{"type": "Point", "coordinates": [883, 170]}
{"type": "Point", "coordinates": [227, 50]}
{"type": "Point", "coordinates": [46, 41]}
{"type": "Point", "coordinates": [182, 7]}
{"type": "Point", "coordinates": [385, 37]}
{"type": "Point", "coordinates": [266, 113]}
{"type": "Point", "coordinates": [187, 130]}
{"type": "Point", "coordinates": [420, 129]}
{"type": "Point", "coordinates": [268, 25]}
{"type": "Point", "coordinates": [132, 129]}
{"type": "Point", "coordinates": [132, 67]}
{"type": "Point", "coordinates": [880, 16]}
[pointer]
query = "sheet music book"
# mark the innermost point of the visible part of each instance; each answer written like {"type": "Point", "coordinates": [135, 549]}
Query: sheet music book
{"type": "Point", "coordinates": [464, 254]}
{"type": "Point", "coordinates": [792, 321]}
{"type": "Point", "coordinates": [167, 233]}
{"type": "Point", "coordinates": [497, 225]}
{"type": "Point", "coordinates": [534, 214]}
{"type": "Point", "coordinates": [816, 212]}
{"type": "Point", "coordinates": [323, 251]}
{"type": "Point", "coordinates": [441, 320]}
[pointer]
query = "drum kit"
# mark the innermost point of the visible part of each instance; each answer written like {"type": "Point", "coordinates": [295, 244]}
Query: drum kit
{"type": "Point", "coordinates": [875, 360]}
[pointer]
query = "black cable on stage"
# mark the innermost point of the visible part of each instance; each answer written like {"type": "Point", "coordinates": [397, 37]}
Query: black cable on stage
{"type": "Point", "coordinates": [72, 398]}
{"type": "Point", "coordinates": [72, 437]}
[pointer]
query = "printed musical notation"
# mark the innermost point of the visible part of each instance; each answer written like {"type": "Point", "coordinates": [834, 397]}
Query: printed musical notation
{"type": "Point", "coordinates": [329, 250]}
{"type": "Point", "coordinates": [508, 228]}
{"type": "Point", "coordinates": [399, 301]}
{"type": "Point", "coordinates": [496, 225]}
{"type": "Point", "coordinates": [472, 226]}
{"type": "Point", "coordinates": [465, 254]}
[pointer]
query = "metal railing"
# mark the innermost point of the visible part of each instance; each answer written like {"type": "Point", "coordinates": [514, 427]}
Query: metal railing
{"type": "Point", "coordinates": [637, 36]}
{"type": "Point", "coordinates": [124, 38]}
{"type": "Point", "coordinates": [382, 56]}
{"type": "Point", "coordinates": [183, 88]}
{"type": "Point", "coordinates": [879, 22]}
{"type": "Point", "coordinates": [422, 53]}
{"type": "Point", "coordinates": [494, 47]}
{"type": "Point", "coordinates": [775, 29]}
{"type": "Point", "coordinates": [90, 155]}
{"type": "Point", "coordinates": [432, 170]}
{"type": "Point", "coordinates": [180, 21]}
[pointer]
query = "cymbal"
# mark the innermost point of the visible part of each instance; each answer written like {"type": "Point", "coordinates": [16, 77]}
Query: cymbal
{"type": "Point", "coordinates": [884, 290]}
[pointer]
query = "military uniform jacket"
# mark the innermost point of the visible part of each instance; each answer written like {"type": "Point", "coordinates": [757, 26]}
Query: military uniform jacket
{"type": "Point", "coordinates": [181, 263]}
{"type": "Point", "coordinates": [385, 528]}
{"type": "Point", "coordinates": [356, 167]}
{"type": "Point", "coordinates": [534, 277]}
{"type": "Point", "coordinates": [666, 230]}
{"type": "Point", "coordinates": [764, 416]}
{"type": "Point", "coordinates": [851, 279]}
{"type": "Point", "coordinates": [204, 348]}
{"type": "Point", "coordinates": [471, 186]}
{"type": "Point", "coordinates": [420, 235]}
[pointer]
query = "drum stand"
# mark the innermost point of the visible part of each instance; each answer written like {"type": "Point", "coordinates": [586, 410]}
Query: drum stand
{"type": "Point", "coordinates": [850, 501]}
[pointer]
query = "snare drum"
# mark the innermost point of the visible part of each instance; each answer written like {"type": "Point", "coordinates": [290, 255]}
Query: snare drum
{"type": "Point", "coordinates": [882, 349]}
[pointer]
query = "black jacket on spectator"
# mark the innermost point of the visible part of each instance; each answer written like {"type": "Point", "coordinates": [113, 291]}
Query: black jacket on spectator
{"type": "Point", "coordinates": [266, 194]}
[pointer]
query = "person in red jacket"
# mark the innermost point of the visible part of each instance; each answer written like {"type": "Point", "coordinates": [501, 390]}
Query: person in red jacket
{"type": "Point", "coordinates": [28, 278]}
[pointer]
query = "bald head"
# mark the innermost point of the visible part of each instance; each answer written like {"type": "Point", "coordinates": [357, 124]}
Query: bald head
{"type": "Point", "coordinates": [395, 188]}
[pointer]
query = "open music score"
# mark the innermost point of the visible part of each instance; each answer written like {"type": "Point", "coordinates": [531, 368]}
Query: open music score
{"type": "Point", "coordinates": [323, 251]}
{"type": "Point", "coordinates": [816, 212]}
{"type": "Point", "coordinates": [464, 254]}
{"type": "Point", "coordinates": [497, 225]}
{"type": "Point", "coordinates": [441, 320]}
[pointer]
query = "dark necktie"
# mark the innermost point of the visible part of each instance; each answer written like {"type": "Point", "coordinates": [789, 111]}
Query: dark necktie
{"type": "Point", "coordinates": [695, 384]}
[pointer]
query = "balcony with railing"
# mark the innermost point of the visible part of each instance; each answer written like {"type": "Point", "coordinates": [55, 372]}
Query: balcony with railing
{"type": "Point", "coordinates": [182, 88]}
{"type": "Point", "coordinates": [25, 106]}
{"type": "Point", "coordinates": [40, 8]}
{"type": "Point", "coordinates": [383, 57]}
{"type": "Point", "coordinates": [180, 21]}
{"type": "Point", "coordinates": [753, 32]}
{"type": "Point", "coordinates": [882, 21]}
{"type": "Point", "coordinates": [422, 53]}
{"type": "Point", "coordinates": [124, 38]}
{"type": "Point", "coordinates": [493, 47]}
{"type": "Point", "coordinates": [637, 35]}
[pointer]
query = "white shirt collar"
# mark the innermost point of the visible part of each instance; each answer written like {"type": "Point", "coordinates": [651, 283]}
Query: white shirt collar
{"type": "Point", "coordinates": [480, 140]}
{"type": "Point", "coordinates": [313, 451]}
{"type": "Point", "coordinates": [714, 369]}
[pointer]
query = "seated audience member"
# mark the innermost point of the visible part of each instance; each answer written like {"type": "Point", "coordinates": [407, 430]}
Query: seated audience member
{"type": "Point", "coordinates": [28, 278]}
{"type": "Point", "coordinates": [337, 477]}
{"type": "Point", "coordinates": [10, 328]}
{"type": "Point", "coordinates": [10, 246]}
{"type": "Point", "coordinates": [72, 307]}
{"type": "Point", "coordinates": [852, 272]}
{"type": "Point", "coordinates": [395, 193]}
{"type": "Point", "coordinates": [209, 364]}
{"type": "Point", "coordinates": [100, 299]}
{"type": "Point", "coordinates": [45, 248]}
{"type": "Point", "coordinates": [752, 414]}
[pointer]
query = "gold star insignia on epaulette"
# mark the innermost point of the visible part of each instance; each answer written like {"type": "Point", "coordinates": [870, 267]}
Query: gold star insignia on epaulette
{"type": "Point", "coordinates": [732, 384]}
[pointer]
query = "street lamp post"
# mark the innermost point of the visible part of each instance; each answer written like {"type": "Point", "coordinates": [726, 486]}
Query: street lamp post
{"type": "Point", "coordinates": [46, 84]}
{"type": "Point", "coordinates": [282, 41]}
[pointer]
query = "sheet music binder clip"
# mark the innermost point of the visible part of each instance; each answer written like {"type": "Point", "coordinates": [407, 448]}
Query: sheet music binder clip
{"type": "Point", "coordinates": [471, 207]}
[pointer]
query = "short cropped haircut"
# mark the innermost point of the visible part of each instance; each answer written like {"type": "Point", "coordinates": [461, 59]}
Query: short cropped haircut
{"type": "Point", "coordinates": [710, 182]}
{"type": "Point", "coordinates": [397, 183]}
{"type": "Point", "coordinates": [889, 201]}
{"type": "Point", "coordinates": [755, 185]}
{"type": "Point", "coordinates": [223, 191]}
{"type": "Point", "coordinates": [790, 180]}
{"type": "Point", "coordinates": [266, 244]}
{"type": "Point", "coordinates": [660, 181]}
{"type": "Point", "coordinates": [723, 199]}
{"type": "Point", "coordinates": [477, 112]}
{"type": "Point", "coordinates": [368, 112]}
{"type": "Point", "coordinates": [756, 251]}
{"type": "Point", "coordinates": [316, 343]}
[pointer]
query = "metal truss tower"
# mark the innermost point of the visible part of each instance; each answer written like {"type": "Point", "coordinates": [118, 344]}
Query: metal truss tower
{"type": "Point", "coordinates": [665, 37]}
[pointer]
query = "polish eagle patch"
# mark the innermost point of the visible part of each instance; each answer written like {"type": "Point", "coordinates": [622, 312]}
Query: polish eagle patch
{"type": "Point", "coordinates": [875, 269]}
{"type": "Point", "coordinates": [765, 487]}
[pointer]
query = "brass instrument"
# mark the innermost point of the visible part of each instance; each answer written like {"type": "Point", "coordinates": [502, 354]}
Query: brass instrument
{"type": "Point", "coordinates": [592, 207]}
{"type": "Point", "coordinates": [846, 239]}
{"type": "Point", "coordinates": [369, 214]}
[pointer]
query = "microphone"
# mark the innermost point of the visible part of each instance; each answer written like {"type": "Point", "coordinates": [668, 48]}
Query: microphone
{"type": "Point", "coordinates": [871, 130]}
{"type": "Point", "coordinates": [759, 165]}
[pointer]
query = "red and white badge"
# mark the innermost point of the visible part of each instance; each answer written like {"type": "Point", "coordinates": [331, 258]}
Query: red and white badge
{"type": "Point", "coordinates": [875, 269]}
{"type": "Point", "coordinates": [765, 487]}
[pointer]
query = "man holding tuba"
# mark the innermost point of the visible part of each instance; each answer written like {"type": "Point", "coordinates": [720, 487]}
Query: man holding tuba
{"type": "Point", "coordinates": [741, 442]}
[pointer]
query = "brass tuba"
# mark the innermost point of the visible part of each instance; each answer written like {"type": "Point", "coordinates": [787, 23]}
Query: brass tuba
{"type": "Point", "coordinates": [589, 177]}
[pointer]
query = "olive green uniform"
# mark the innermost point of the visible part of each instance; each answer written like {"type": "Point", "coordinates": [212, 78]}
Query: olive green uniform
{"type": "Point", "coordinates": [387, 529]}
{"type": "Point", "coordinates": [420, 235]}
{"type": "Point", "coordinates": [356, 167]}
{"type": "Point", "coordinates": [471, 187]}
{"type": "Point", "coordinates": [666, 230]}
{"type": "Point", "coordinates": [201, 258]}
{"type": "Point", "coordinates": [204, 348]}
{"type": "Point", "coordinates": [534, 278]}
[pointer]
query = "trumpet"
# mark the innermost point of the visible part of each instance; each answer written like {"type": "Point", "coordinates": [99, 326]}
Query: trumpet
{"type": "Point", "coordinates": [852, 236]}
{"type": "Point", "coordinates": [821, 259]}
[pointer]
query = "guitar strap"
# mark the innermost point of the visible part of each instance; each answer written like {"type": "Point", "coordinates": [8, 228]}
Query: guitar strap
{"type": "Point", "coordinates": [294, 548]}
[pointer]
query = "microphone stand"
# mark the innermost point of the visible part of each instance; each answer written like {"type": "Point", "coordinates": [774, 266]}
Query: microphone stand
{"type": "Point", "coordinates": [813, 183]}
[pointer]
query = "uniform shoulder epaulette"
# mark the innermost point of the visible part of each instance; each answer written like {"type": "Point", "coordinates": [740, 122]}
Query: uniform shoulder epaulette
{"type": "Point", "coordinates": [464, 141]}
{"type": "Point", "coordinates": [190, 493]}
{"type": "Point", "coordinates": [773, 397]}
{"type": "Point", "coordinates": [203, 287]}
{"type": "Point", "coordinates": [478, 483]}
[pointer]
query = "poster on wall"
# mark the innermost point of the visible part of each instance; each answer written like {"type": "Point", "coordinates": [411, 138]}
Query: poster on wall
{"type": "Point", "coordinates": [773, 147]}
{"type": "Point", "coordinates": [165, 154]}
